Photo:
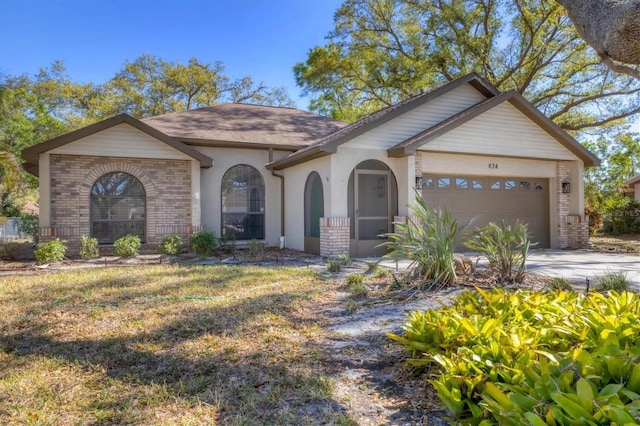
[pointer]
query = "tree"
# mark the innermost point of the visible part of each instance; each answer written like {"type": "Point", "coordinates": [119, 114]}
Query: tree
{"type": "Point", "coordinates": [611, 27]}
{"type": "Point", "coordinates": [150, 86]}
{"type": "Point", "coordinates": [384, 51]}
{"type": "Point", "coordinates": [621, 161]}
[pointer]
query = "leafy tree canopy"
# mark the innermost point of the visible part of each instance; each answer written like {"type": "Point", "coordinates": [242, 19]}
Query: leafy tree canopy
{"type": "Point", "coordinates": [384, 51]}
{"type": "Point", "coordinates": [41, 107]}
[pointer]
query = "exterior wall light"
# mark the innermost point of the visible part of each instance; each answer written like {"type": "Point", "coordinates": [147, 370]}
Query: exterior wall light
{"type": "Point", "coordinates": [418, 182]}
{"type": "Point", "coordinates": [566, 187]}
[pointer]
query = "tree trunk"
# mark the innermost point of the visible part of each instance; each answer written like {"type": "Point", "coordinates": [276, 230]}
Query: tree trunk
{"type": "Point", "coordinates": [611, 27]}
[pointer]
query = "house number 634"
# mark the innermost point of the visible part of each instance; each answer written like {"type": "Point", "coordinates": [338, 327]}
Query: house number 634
{"type": "Point", "coordinates": [493, 165]}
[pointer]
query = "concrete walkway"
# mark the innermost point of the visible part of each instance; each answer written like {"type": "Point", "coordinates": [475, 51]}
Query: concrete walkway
{"type": "Point", "coordinates": [572, 265]}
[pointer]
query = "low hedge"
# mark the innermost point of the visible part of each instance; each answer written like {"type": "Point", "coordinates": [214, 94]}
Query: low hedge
{"type": "Point", "coordinates": [528, 358]}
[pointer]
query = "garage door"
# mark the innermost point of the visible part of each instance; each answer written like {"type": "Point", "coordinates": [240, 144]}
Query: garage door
{"type": "Point", "coordinates": [491, 199]}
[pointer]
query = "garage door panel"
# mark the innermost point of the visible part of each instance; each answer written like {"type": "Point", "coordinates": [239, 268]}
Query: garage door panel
{"type": "Point", "coordinates": [491, 199]}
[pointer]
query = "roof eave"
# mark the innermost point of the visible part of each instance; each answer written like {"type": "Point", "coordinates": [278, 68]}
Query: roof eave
{"type": "Point", "coordinates": [588, 159]}
{"type": "Point", "coordinates": [304, 156]}
{"type": "Point", "coordinates": [32, 153]}
{"type": "Point", "coordinates": [408, 148]}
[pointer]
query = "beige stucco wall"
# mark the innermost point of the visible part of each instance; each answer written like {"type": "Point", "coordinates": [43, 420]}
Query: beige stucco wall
{"type": "Point", "coordinates": [211, 184]}
{"type": "Point", "coordinates": [334, 171]}
{"type": "Point", "coordinates": [295, 181]}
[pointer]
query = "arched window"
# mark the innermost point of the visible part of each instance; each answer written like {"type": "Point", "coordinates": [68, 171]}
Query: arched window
{"type": "Point", "coordinates": [243, 203]}
{"type": "Point", "coordinates": [118, 207]}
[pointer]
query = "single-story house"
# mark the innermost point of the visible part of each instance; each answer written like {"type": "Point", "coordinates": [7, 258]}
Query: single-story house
{"type": "Point", "coordinates": [633, 187]}
{"type": "Point", "coordinates": [319, 185]}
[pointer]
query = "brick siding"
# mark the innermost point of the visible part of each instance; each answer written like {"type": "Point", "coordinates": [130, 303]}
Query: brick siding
{"type": "Point", "coordinates": [167, 185]}
{"type": "Point", "coordinates": [335, 236]}
{"type": "Point", "coordinates": [573, 229]}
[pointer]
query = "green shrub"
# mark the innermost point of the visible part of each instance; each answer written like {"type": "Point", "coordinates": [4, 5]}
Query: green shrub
{"type": "Point", "coordinates": [528, 358]}
{"type": "Point", "coordinates": [616, 281]}
{"type": "Point", "coordinates": [255, 248]}
{"type": "Point", "coordinates": [558, 283]}
{"type": "Point", "coordinates": [51, 251]}
{"type": "Point", "coordinates": [89, 247]}
{"type": "Point", "coordinates": [622, 215]}
{"type": "Point", "coordinates": [227, 244]}
{"type": "Point", "coordinates": [344, 259]}
{"type": "Point", "coordinates": [356, 285]}
{"type": "Point", "coordinates": [29, 224]}
{"type": "Point", "coordinates": [429, 242]}
{"type": "Point", "coordinates": [203, 243]}
{"type": "Point", "coordinates": [505, 247]}
{"type": "Point", "coordinates": [334, 265]}
{"type": "Point", "coordinates": [127, 246]}
{"type": "Point", "coordinates": [171, 245]}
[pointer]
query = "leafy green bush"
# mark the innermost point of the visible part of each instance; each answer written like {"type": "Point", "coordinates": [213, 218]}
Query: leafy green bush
{"type": "Point", "coordinates": [505, 247]}
{"type": "Point", "coordinates": [127, 246]}
{"type": "Point", "coordinates": [255, 247]}
{"type": "Point", "coordinates": [89, 247]}
{"type": "Point", "coordinates": [227, 244]}
{"type": "Point", "coordinates": [527, 358]}
{"type": "Point", "coordinates": [356, 285]}
{"type": "Point", "coordinates": [616, 281]}
{"type": "Point", "coordinates": [622, 215]}
{"type": "Point", "coordinates": [171, 244]}
{"type": "Point", "coordinates": [29, 224]}
{"type": "Point", "coordinates": [429, 242]}
{"type": "Point", "coordinates": [51, 251]}
{"type": "Point", "coordinates": [558, 283]}
{"type": "Point", "coordinates": [334, 265]}
{"type": "Point", "coordinates": [203, 243]}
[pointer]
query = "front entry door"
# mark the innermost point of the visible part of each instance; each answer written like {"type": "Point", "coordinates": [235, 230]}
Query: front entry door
{"type": "Point", "coordinates": [372, 211]}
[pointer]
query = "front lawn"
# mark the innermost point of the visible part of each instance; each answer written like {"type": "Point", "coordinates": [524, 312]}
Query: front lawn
{"type": "Point", "coordinates": [627, 243]}
{"type": "Point", "coordinates": [163, 345]}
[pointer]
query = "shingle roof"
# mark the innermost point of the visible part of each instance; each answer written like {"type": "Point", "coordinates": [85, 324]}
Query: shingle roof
{"type": "Point", "coordinates": [244, 123]}
{"type": "Point", "coordinates": [330, 143]}
{"type": "Point", "coordinates": [633, 180]}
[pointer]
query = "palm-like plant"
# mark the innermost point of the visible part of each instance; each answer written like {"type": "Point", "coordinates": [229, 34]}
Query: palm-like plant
{"type": "Point", "coordinates": [429, 240]}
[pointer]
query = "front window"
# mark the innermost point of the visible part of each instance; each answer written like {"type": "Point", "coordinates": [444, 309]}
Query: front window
{"type": "Point", "coordinates": [243, 203]}
{"type": "Point", "coordinates": [118, 207]}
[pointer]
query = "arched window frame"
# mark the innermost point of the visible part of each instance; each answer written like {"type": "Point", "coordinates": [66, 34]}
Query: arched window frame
{"type": "Point", "coordinates": [242, 203]}
{"type": "Point", "coordinates": [118, 207]}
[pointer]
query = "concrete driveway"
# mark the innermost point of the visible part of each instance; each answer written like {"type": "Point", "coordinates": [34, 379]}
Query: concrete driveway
{"type": "Point", "coordinates": [573, 265]}
{"type": "Point", "coordinates": [578, 265]}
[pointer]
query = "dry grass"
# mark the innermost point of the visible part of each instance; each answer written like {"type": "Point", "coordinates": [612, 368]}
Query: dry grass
{"type": "Point", "coordinates": [629, 243]}
{"type": "Point", "coordinates": [164, 345]}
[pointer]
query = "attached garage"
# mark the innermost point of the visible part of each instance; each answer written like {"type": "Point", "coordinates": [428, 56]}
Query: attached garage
{"type": "Point", "coordinates": [493, 199]}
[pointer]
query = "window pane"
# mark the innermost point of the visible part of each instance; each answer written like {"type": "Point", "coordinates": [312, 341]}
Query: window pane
{"type": "Point", "coordinates": [495, 184]}
{"type": "Point", "coordinates": [462, 183]}
{"type": "Point", "coordinates": [444, 182]}
{"type": "Point", "coordinates": [509, 184]}
{"type": "Point", "coordinates": [477, 184]}
{"type": "Point", "coordinates": [538, 186]}
{"type": "Point", "coordinates": [427, 182]}
{"type": "Point", "coordinates": [243, 200]}
{"type": "Point", "coordinates": [117, 207]}
{"type": "Point", "coordinates": [525, 185]}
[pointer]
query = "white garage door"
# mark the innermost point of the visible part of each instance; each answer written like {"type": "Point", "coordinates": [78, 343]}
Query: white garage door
{"type": "Point", "coordinates": [491, 199]}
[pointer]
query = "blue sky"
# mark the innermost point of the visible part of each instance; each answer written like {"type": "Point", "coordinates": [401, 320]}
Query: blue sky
{"type": "Point", "coordinates": [94, 38]}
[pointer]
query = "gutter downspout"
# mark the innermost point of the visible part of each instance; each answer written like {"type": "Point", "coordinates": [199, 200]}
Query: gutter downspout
{"type": "Point", "coordinates": [281, 177]}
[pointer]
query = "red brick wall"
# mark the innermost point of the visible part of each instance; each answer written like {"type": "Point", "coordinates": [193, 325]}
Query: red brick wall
{"type": "Point", "coordinates": [335, 236]}
{"type": "Point", "coordinates": [167, 185]}
{"type": "Point", "coordinates": [573, 230]}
